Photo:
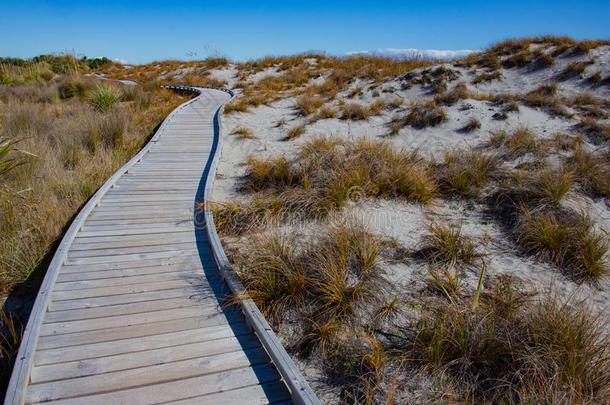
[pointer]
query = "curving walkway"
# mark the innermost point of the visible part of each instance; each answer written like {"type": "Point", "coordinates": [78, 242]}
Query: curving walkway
{"type": "Point", "coordinates": [131, 310]}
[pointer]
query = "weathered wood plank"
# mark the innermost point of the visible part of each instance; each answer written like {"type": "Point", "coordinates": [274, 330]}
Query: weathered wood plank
{"type": "Point", "coordinates": [142, 358]}
{"type": "Point", "coordinates": [133, 345]}
{"type": "Point", "coordinates": [146, 375]}
{"type": "Point", "coordinates": [253, 395]}
{"type": "Point", "coordinates": [140, 330]}
{"type": "Point", "coordinates": [179, 389]}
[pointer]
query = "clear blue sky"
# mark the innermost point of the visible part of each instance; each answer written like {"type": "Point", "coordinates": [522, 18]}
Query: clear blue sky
{"type": "Point", "coordinates": [141, 31]}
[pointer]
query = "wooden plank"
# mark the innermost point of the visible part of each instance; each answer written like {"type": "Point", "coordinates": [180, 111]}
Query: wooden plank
{"type": "Point", "coordinates": [59, 295]}
{"type": "Point", "coordinates": [259, 394]}
{"type": "Point", "coordinates": [196, 292]}
{"type": "Point", "coordinates": [143, 358]}
{"type": "Point", "coordinates": [140, 343]}
{"type": "Point", "coordinates": [190, 275]}
{"type": "Point", "coordinates": [140, 330]}
{"type": "Point", "coordinates": [142, 376]}
{"type": "Point", "coordinates": [115, 259]}
{"type": "Point", "coordinates": [121, 309]}
{"type": "Point", "coordinates": [126, 239]}
{"type": "Point", "coordinates": [132, 272]}
{"type": "Point", "coordinates": [117, 321]}
{"type": "Point", "coordinates": [179, 389]}
{"type": "Point", "coordinates": [187, 260]}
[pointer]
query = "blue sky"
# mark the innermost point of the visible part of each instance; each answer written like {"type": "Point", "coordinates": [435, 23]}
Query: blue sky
{"type": "Point", "coordinates": [141, 31]}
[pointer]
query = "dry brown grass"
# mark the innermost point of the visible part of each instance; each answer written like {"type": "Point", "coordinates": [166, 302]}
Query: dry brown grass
{"type": "Point", "coordinates": [425, 114]}
{"type": "Point", "coordinates": [466, 173]}
{"type": "Point", "coordinates": [597, 133]}
{"type": "Point", "coordinates": [486, 77]}
{"type": "Point", "coordinates": [574, 69]}
{"type": "Point", "coordinates": [307, 105]}
{"type": "Point", "coordinates": [359, 112]}
{"type": "Point", "coordinates": [326, 174]}
{"type": "Point", "coordinates": [72, 148]}
{"type": "Point", "coordinates": [512, 349]}
{"type": "Point", "coordinates": [592, 171]}
{"type": "Point", "coordinates": [445, 243]}
{"type": "Point", "coordinates": [243, 133]}
{"type": "Point", "coordinates": [459, 92]}
{"type": "Point", "coordinates": [295, 132]}
{"type": "Point", "coordinates": [566, 240]}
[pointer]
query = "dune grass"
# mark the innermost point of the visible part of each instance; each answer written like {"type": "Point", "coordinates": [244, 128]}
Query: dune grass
{"type": "Point", "coordinates": [72, 147]}
{"type": "Point", "coordinates": [328, 173]}
{"type": "Point", "coordinates": [512, 349]}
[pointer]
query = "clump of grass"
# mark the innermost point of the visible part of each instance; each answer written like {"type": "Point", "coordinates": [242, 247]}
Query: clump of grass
{"type": "Point", "coordinates": [465, 173]}
{"type": "Point", "coordinates": [426, 114]}
{"type": "Point", "coordinates": [596, 132]}
{"type": "Point", "coordinates": [522, 141]}
{"type": "Point", "coordinates": [592, 171]}
{"type": "Point", "coordinates": [543, 59]}
{"type": "Point", "coordinates": [237, 105]}
{"type": "Point", "coordinates": [568, 241]}
{"type": "Point", "coordinates": [471, 125]}
{"type": "Point", "coordinates": [324, 285]}
{"type": "Point", "coordinates": [584, 47]}
{"type": "Point", "coordinates": [295, 132]}
{"type": "Point", "coordinates": [354, 112]}
{"type": "Point", "coordinates": [359, 112]}
{"type": "Point", "coordinates": [574, 69]}
{"type": "Point", "coordinates": [446, 244]}
{"type": "Point", "coordinates": [327, 173]}
{"type": "Point", "coordinates": [545, 96]}
{"type": "Point", "coordinates": [486, 77]}
{"type": "Point", "coordinates": [307, 105]}
{"type": "Point", "coordinates": [459, 92]}
{"type": "Point", "coordinates": [243, 132]}
{"type": "Point", "coordinates": [539, 349]}
{"type": "Point", "coordinates": [520, 59]}
{"type": "Point", "coordinates": [275, 276]}
{"type": "Point", "coordinates": [326, 113]}
{"type": "Point", "coordinates": [104, 97]}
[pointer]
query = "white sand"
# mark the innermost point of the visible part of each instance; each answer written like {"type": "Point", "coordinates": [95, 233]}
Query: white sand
{"type": "Point", "coordinates": [404, 222]}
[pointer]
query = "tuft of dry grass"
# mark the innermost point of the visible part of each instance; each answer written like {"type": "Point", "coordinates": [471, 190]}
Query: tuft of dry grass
{"type": "Point", "coordinates": [446, 244]}
{"type": "Point", "coordinates": [459, 92]}
{"type": "Point", "coordinates": [539, 350]}
{"type": "Point", "coordinates": [596, 132]}
{"type": "Point", "coordinates": [471, 125]}
{"type": "Point", "coordinates": [486, 77]}
{"type": "Point", "coordinates": [425, 114]}
{"type": "Point", "coordinates": [466, 173]}
{"type": "Point", "coordinates": [327, 112]}
{"type": "Point", "coordinates": [243, 133]}
{"type": "Point", "coordinates": [522, 141]}
{"type": "Point", "coordinates": [359, 112]}
{"type": "Point", "coordinates": [295, 132]}
{"type": "Point", "coordinates": [327, 173]}
{"type": "Point", "coordinates": [307, 105]}
{"type": "Point", "coordinates": [568, 241]}
{"type": "Point", "coordinates": [592, 171]}
{"type": "Point", "coordinates": [574, 69]}
{"type": "Point", "coordinates": [331, 281]}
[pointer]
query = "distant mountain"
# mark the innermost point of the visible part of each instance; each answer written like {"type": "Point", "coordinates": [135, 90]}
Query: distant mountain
{"type": "Point", "coordinates": [415, 53]}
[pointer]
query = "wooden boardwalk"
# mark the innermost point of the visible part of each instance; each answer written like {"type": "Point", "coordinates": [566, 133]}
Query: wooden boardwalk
{"type": "Point", "coordinates": [131, 310]}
